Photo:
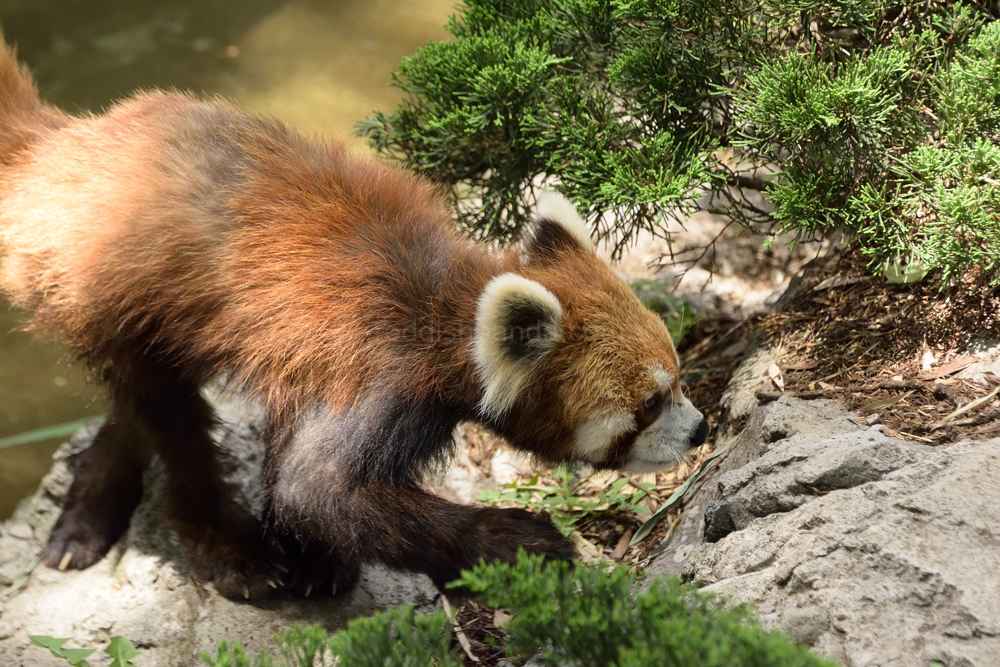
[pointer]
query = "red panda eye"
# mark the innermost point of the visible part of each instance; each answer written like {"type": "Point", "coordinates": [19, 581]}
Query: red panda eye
{"type": "Point", "coordinates": [652, 405]}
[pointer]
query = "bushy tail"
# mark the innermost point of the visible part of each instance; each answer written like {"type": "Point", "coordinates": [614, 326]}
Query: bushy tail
{"type": "Point", "coordinates": [23, 115]}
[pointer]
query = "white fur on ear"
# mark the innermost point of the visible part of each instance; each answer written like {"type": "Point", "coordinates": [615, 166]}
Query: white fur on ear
{"type": "Point", "coordinates": [555, 207]}
{"type": "Point", "coordinates": [517, 322]}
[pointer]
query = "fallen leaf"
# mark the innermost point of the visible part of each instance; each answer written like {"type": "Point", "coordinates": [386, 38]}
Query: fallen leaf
{"type": "Point", "coordinates": [463, 640]}
{"type": "Point", "coordinates": [587, 550]}
{"type": "Point", "coordinates": [775, 374]}
{"type": "Point", "coordinates": [883, 403]}
{"type": "Point", "coordinates": [501, 618]}
{"type": "Point", "coordinates": [972, 405]}
{"type": "Point", "coordinates": [949, 368]}
{"type": "Point", "coordinates": [622, 546]}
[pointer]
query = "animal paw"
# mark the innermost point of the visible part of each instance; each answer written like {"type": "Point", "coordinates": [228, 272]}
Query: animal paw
{"type": "Point", "coordinates": [78, 541]}
{"type": "Point", "coordinates": [236, 561]}
{"type": "Point", "coordinates": [319, 572]}
{"type": "Point", "coordinates": [248, 579]}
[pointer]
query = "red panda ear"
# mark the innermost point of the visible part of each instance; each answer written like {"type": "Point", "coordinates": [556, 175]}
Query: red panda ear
{"type": "Point", "coordinates": [517, 323]}
{"type": "Point", "coordinates": [557, 227]}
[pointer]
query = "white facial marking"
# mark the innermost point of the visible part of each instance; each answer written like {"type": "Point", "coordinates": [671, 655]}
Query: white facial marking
{"type": "Point", "coordinates": [663, 378]}
{"type": "Point", "coordinates": [555, 207]}
{"type": "Point", "coordinates": [503, 374]}
{"type": "Point", "coordinates": [661, 443]}
{"type": "Point", "coordinates": [666, 440]}
{"type": "Point", "coordinates": [595, 434]}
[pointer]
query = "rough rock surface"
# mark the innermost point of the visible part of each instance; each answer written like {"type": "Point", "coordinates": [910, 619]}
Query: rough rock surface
{"type": "Point", "coordinates": [143, 589]}
{"type": "Point", "coordinates": [872, 550]}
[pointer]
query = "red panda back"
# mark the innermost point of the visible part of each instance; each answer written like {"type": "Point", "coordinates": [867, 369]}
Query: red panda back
{"type": "Point", "coordinates": [230, 241]}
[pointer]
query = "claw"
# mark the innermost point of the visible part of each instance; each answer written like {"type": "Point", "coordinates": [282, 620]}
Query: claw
{"type": "Point", "coordinates": [66, 560]}
{"type": "Point", "coordinates": [333, 591]}
{"type": "Point", "coordinates": [309, 589]}
{"type": "Point", "coordinates": [246, 592]}
{"type": "Point", "coordinates": [270, 582]}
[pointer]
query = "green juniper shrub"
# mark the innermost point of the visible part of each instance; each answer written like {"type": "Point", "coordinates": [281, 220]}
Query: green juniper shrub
{"type": "Point", "coordinates": [583, 616]}
{"type": "Point", "coordinates": [855, 115]}
{"type": "Point", "coordinates": [399, 637]}
{"type": "Point", "coordinates": [577, 615]}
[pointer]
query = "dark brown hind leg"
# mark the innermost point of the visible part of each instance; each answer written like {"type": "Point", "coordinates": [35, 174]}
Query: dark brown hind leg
{"type": "Point", "coordinates": [106, 488]}
{"type": "Point", "coordinates": [224, 542]}
{"type": "Point", "coordinates": [314, 567]}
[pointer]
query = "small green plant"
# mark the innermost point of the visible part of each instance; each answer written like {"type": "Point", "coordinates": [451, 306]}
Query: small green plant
{"type": "Point", "coordinates": [297, 647]}
{"type": "Point", "coordinates": [560, 503]}
{"type": "Point", "coordinates": [120, 649]}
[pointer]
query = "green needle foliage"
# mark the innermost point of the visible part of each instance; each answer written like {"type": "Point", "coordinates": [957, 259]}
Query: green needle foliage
{"type": "Point", "coordinates": [578, 615]}
{"type": "Point", "coordinates": [398, 637]}
{"type": "Point", "coordinates": [877, 118]}
{"type": "Point", "coordinates": [584, 617]}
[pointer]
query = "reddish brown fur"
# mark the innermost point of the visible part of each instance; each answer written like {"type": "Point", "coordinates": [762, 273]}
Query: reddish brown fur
{"type": "Point", "coordinates": [171, 240]}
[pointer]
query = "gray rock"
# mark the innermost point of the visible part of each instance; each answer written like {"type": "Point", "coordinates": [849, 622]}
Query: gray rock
{"type": "Point", "coordinates": [760, 429]}
{"type": "Point", "coordinates": [872, 550]}
{"type": "Point", "coordinates": [798, 466]}
{"type": "Point", "coordinates": [143, 589]}
{"type": "Point", "coordinates": [898, 571]}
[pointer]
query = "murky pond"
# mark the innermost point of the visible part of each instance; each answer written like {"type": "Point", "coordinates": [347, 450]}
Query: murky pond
{"type": "Point", "coordinates": [320, 65]}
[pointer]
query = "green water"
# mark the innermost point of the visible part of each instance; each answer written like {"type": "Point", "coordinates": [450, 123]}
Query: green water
{"type": "Point", "coordinates": [321, 66]}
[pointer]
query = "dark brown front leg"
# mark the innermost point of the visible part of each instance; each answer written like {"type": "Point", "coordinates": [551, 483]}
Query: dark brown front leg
{"type": "Point", "coordinates": [414, 530]}
{"type": "Point", "coordinates": [224, 542]}
{"type": "Point", "coordinates": [107, 485]}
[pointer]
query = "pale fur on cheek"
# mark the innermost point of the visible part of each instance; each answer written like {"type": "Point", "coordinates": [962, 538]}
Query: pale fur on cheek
{"type": "Point", "coordinates": [595, 434]}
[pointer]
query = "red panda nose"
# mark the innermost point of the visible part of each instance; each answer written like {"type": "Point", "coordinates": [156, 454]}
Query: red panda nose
{"type": "Point", "coordinates": [700, 433]}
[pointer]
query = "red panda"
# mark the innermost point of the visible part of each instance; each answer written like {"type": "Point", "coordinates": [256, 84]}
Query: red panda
{"type": "Point", "coordinates": [172, 240]}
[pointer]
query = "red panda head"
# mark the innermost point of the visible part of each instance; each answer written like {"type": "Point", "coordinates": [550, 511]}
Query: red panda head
{"type": "Point", "coordinates": [573, 366]}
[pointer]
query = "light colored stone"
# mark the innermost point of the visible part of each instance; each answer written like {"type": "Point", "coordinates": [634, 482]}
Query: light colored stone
{"type": "Point", "coordinates": [143, 589]}
{"type": "Point", "coordinates": [19, 530]}
{"type": "Point", "coordinates": [795, 470]}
